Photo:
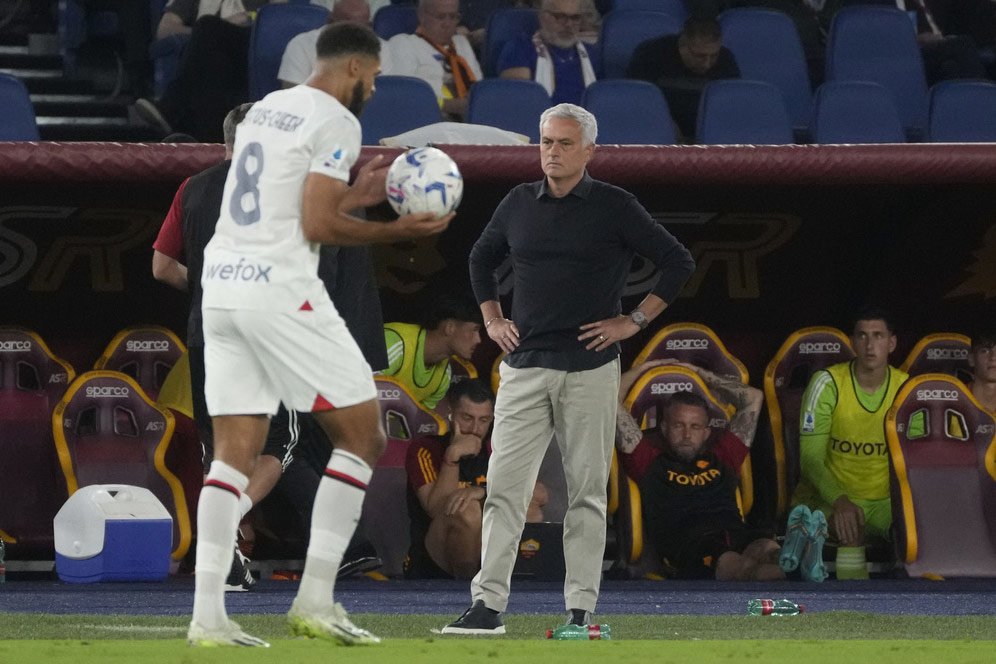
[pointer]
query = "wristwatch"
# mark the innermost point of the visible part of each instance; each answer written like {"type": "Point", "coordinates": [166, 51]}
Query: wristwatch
{"type": "Point", "coordinates": [639, 318]}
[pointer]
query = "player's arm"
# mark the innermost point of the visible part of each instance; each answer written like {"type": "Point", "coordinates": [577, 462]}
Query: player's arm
{"type": "Point", "coordinates": [325, 216]}
{"type": "Point", "coordinates": [746, 399]}
{"type": "Point", "coordinates": [169, 270]}
{"type": "Point", "coordinates": [818, 404]}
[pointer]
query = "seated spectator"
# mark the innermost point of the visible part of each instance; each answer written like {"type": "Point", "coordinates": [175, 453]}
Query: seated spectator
{"type": "Point", "coordinates": [681, 66]}
{"type": "Point", "coordinates": [299, 56]}
{"type": "Point", "coordinates": [447, 480]}
{"type": "Point", "coordinates": [555, 57]}
{"type": "Point", "coordinates": [688, 488]}
{"type": "Point", "coordinates": [982, 360]}
{"type": "Point", "coordinates": [438, 55]}
{"type": "Point", "coordinates": [844, 458]}
{"type": "Point", "coordinates": [213, 73]}
{"type": "Point", "coordinates": [419, 355]}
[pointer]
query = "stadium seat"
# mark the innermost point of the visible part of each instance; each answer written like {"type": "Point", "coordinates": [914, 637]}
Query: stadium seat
{"type": "Point", "coordinates": [496, 372]}
{"type": "Point", "coordinates": [945, 353]}
{"type": "Point", "coordinates": [19, 123]}
{"type": "Point", "coordinates": [942, 450]}
{"type": "Point", "coordinates": [629, 112]}
{"type": "Point", "coordinates": [878, 44]}
{"type": "Point", "coordinates": [675, 8]}
{"type": "Point", "coordinates": [404, 417]}
{"type": "Point", "coordinates": [461, 369]}
{"type": "Point", "coordinates": [962, 112]}
{"type": "Point", "coordinates": [508, 104]}
{"type": "Point", "coordinates": [107, 431]}
{"type": "Point", "coordinates": [735, 112]}
{"type": "Point", "coordinates": [274, 27]}
{"type": "Point", "coordinates": [402, 103]}
{"type": "Point", "coordinates": [696, 344]}
{"type": "Point", "coordinates": [32, 380]}
{"type": "Point", "coordinates": [392, 20]}
{"type": "Point", "coordinates": [766, 46]}
{"type": "Point", "coordinates": [622, 32]}
{"type": "Point", "coordinates": [785, 379]}
{"type": "Point", "coordinates": [855, 112]}
{"type": "Point", "coordinates": [503, 26]}
{"type": "Point", "coordinates": [165, 54]}
{"type": "Point", "coordinates": [146, 353]}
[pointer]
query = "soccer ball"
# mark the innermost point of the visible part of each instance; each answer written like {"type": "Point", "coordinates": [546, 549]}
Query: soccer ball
{"type": "Point", "coordinates": [424, 180]}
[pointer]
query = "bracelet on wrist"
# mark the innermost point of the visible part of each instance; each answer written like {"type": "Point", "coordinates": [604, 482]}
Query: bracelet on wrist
{"type": "Point", "coordinates": [488, 324]}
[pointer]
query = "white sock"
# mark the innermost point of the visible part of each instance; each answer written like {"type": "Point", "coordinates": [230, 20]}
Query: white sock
{"type": "Point", "coordinates": [245, 504]}
{"type": "Point", "coordinates": [338, 503]}
{"type": "Point", "coordinates": [217, 521]}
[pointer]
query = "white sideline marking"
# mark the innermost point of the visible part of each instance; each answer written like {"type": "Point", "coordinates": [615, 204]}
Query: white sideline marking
{"type": "Point", "coordinates": [134, 628]}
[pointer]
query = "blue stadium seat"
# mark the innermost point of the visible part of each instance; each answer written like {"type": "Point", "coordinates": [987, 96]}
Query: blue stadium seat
{"type": "Point", "coordinates": [393, 20]}
{"type": "Point", "coordinates": [735, 112]}
{"type": "Point", "coordinates": [510, 105]}
{"type": "Point", "coordinates": [766, 46]}
{"type": "Point", "coordinates": [878, 44]}
{"type": "Point", "coordinates": [18, 114]}
{"type": "Point", "coordinates": [275, 25]}
{"type": "Point", "coordinates": [963, 112]}
{"type": "Point", "coordinates": [630, 112]}
{"type": "Point", "coordinates": [855, 112]}
{"type": "Point", "coordinates": [504, 25]}
{"type": "Point", "coordinates": [401, 103]}
{"type": "Point", "coordinates": [676, 8]}
{"type": "Point", "coordinates": [622, 32]}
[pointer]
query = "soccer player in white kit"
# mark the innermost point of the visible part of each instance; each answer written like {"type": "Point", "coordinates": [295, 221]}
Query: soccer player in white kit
{"type": "Point", "coordinates": [272, 333]}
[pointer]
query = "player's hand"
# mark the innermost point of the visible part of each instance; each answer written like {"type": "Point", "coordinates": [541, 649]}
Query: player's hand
{"type": "Point", "coordinates": [629, 378]}
{"type": "Point", "coordinates": [463, 445]}
{"type": "Point", "coordinates": [604, 333]}
{"type": "Point", "coordinates": [421, 224]}
{"type": "Point", "coordinates": [848, 521]}
{"type": "Point", "coordinates": [505, 333]}
{"type": "Point", "coordinates": [370, 188]}
{"type": "Point", "coordinates": [462, 497]}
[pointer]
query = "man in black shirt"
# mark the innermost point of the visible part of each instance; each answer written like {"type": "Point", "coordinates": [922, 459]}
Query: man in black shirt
{"type": "Point", "coordinates": [571, 240]}
{"type": "Point", "coordinates": [682, 65]}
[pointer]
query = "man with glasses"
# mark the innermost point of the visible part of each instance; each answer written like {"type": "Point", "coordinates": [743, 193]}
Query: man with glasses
{"type": "Point", "coordinates": [688, 481]}
{"type": "Point", "coordinates": [555, 57]}
{"type": "Point", "coordinates": [438, 55]}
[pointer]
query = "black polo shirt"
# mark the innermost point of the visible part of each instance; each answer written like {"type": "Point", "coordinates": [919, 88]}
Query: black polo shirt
{"type": "Point", "coordinates": [570, 258]}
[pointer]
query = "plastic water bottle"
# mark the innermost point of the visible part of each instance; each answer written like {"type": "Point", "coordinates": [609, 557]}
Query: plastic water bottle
{"type": "Point", "coordinates": [580, 633]}
{"type": "Point", "coordinates": [774, 607]}
{"type": "Point", "coordinates": [3, 565]}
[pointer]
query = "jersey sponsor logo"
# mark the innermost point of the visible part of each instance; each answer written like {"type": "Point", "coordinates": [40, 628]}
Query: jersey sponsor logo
{"type": "Point", "coordinates": [808, 422]}
{"type": "Point", "coordinates": [947, 353]}
{"type": "Point", "coordinates": [819, 347]}
{"type": "Point", "coordinates": [670, 388]}
{"type": "Point", "coordinates": [388, 394]}
{"type": "Point", "coordinates": [97, 392]}
{"type": "Point", "coordinates": [937, 395]}
{"type": "Point", "coordinates": [240, 271]}
{"type": "Point", "coordinates": [274, 119]}
{"type": "Point", "coordinates": [693, 479]}
{"type": "Point", "coordinates": [146, 346]}
{"type": "Point", "coordinates": [848, 448]}
{"type": "Point", "coordinates": [686, 344]}
{"type": "Point", "coordinates": [15, 346]}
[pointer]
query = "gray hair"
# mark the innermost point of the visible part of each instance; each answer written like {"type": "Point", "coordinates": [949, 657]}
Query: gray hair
{"type": "Point", "coordinates": [586, 121]}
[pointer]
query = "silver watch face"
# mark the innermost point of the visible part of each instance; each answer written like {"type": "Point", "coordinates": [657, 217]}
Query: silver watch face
{"type": "Point", "coordinates": [639, 318]}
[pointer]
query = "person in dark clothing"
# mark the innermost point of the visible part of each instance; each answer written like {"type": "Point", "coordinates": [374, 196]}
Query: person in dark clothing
{"type": "Point", "coordinates": [681, 66]}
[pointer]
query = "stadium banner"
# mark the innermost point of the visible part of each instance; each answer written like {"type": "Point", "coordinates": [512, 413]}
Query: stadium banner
{"type": "Point", "coordinates": [784, 236]}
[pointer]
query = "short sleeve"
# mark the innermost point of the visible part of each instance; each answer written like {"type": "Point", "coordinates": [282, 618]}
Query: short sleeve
{"type": "Point", "coordinates": [422, 463]}
{"type": "Point", "coordinates": [336, 145]}
{"type": "Point", "coordinates": [170, 239]}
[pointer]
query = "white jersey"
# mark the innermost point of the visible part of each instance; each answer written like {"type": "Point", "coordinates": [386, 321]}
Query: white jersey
{"type": "Point", "coordinates": [259, 258]}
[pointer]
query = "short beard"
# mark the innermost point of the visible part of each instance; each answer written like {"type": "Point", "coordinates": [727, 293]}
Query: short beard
{"type": "Point", "coordinates": [356, 101]}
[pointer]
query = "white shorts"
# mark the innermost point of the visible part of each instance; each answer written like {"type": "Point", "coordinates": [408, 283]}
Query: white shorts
{"type": "Point", "coordinates": [253, 360]}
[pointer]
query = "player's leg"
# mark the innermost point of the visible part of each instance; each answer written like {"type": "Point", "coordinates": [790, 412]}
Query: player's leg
{"type": "Point", "coordinates": [585, 417]}
{"type": "Point", "coordinates": [454, 541]}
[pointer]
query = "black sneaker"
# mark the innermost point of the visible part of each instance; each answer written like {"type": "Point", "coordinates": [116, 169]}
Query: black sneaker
{"type": "Point", "coordinates": [240, 579]}
{"type": "Point", "coordinates": [478, 619]}
{"type": "Point", "coordinates": [579, 617]}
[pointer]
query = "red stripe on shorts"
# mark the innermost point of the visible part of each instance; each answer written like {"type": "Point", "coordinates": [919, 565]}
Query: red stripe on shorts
{"type": "Point", "coordinates": [347, 479]}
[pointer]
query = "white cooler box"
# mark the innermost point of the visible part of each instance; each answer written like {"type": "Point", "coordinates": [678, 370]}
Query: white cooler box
{"type": "Point", "coordinates": [112, 532]}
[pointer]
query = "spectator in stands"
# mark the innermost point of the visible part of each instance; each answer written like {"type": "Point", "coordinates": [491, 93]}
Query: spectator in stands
{"type": "Point", "coordinates": [135, 30]}
{"type": "Point", "coordinates": [843, 454]}
{"type": "Point", "coordinates": [299, 56]}
{"type": "Point", "coordinates": [438, 55]}
{"type": "Point", "coordinates": [681, 66]}
{"type": "Point", "coordinates": [419, 355]}
{"type": "Point", "coordinates": [688, 486]}
{"type": "Point", "coordinates": [555, 57]}
{"type": "Point", "coordinates": [982, 360]}
{"type": "Point", "coordinates": [213, 74]}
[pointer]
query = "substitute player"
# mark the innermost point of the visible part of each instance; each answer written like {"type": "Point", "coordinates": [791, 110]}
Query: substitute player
{"type": "Point", "coordinates": [272, 333]}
